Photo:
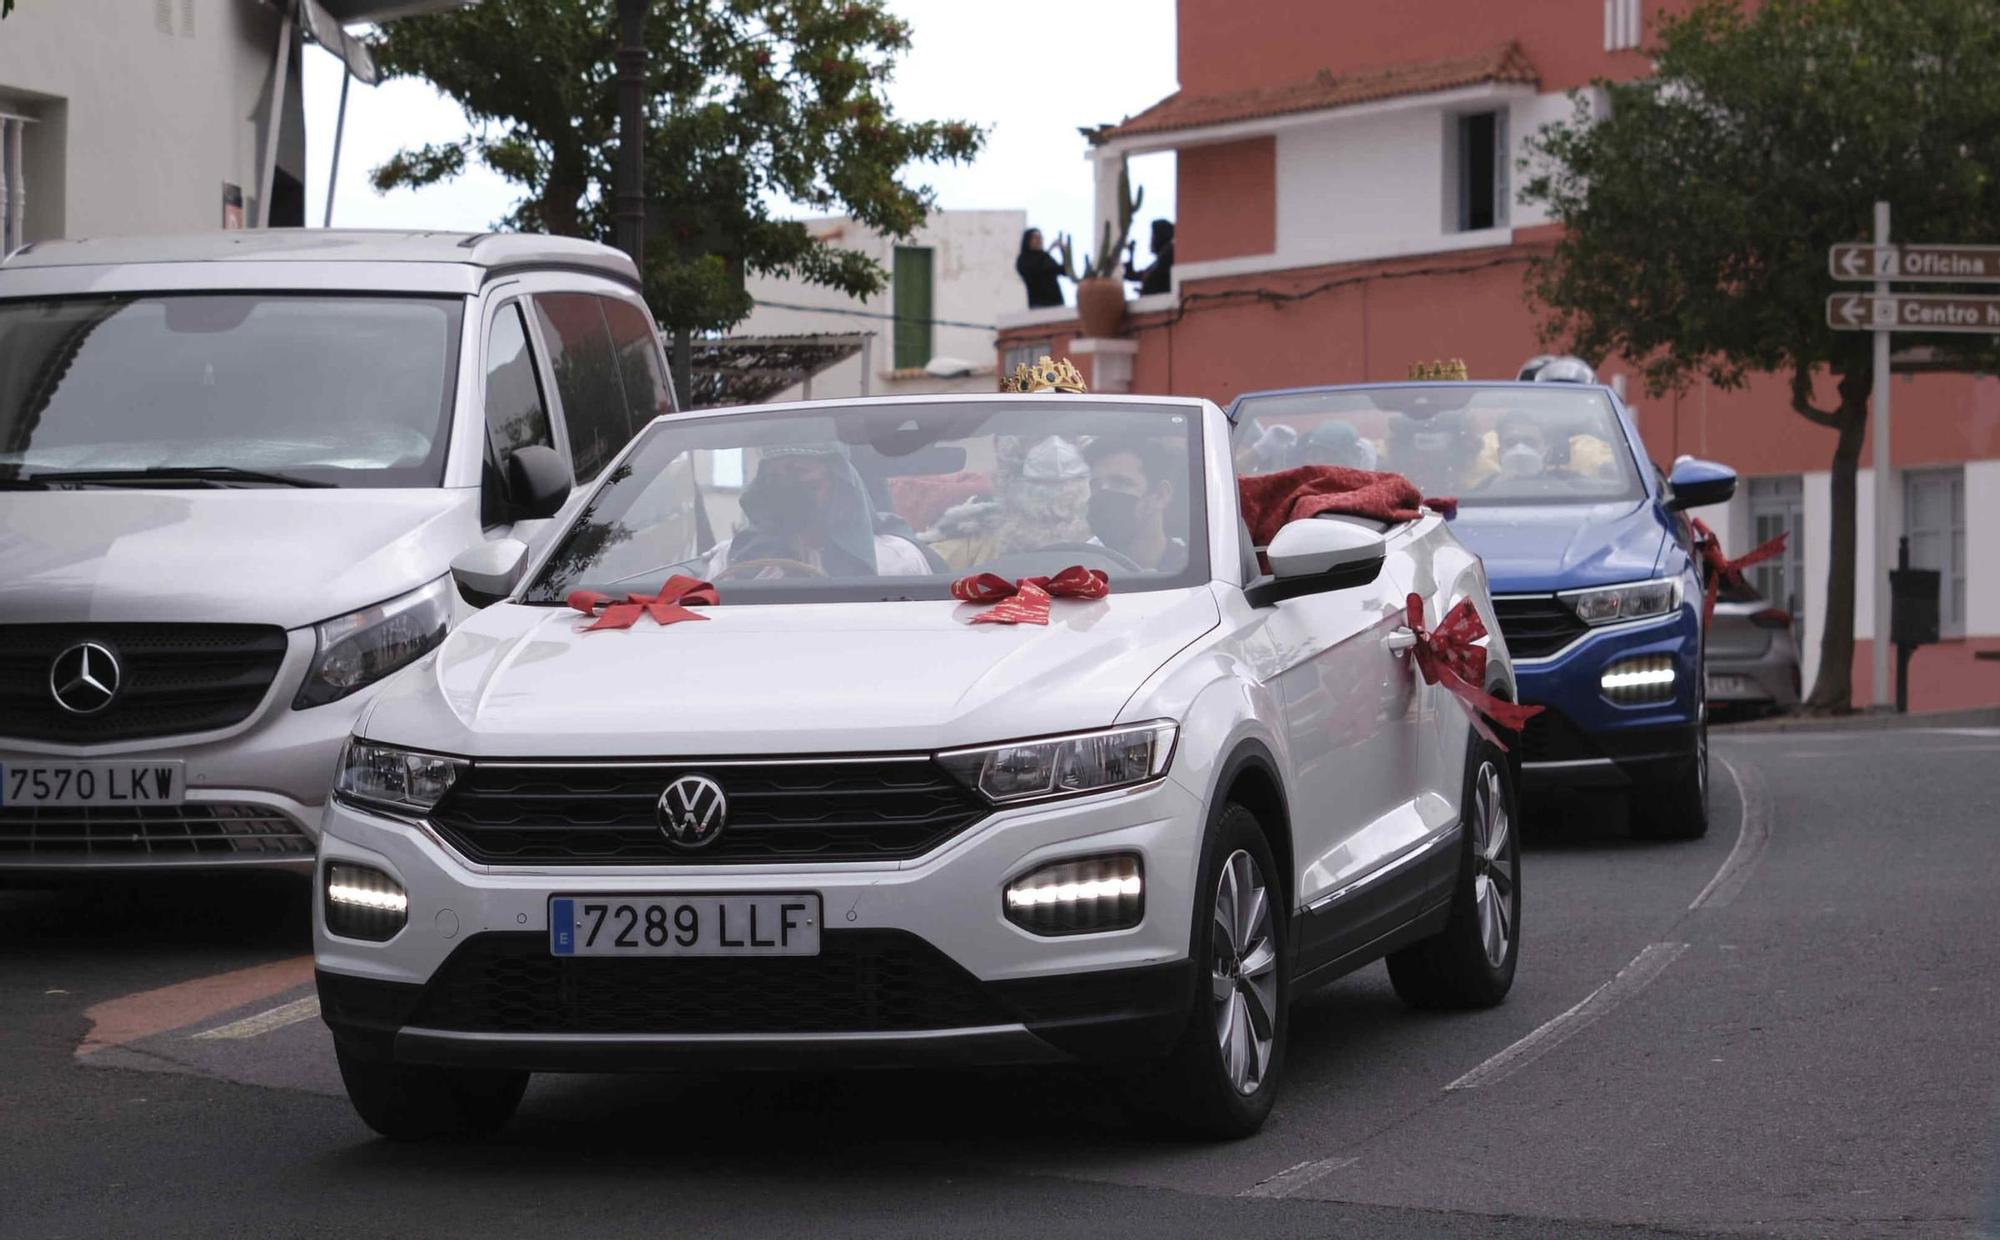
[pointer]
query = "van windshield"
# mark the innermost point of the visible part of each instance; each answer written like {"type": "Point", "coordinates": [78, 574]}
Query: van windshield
{"type": "Point", "coordinates": [350, 391]}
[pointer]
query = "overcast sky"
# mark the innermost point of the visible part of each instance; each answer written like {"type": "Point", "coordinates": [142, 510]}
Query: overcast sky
{"type": "Point", "coordinates": [1030, 71]}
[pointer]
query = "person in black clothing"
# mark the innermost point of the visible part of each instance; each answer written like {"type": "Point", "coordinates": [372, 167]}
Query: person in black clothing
{"type": "Point", "coordinates": [1158, 278]}
{"type": "Point", "coordinates": [1038, 270]}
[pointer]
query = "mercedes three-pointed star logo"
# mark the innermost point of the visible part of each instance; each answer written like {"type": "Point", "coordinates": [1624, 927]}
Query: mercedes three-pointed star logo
{"type": "Point", "coordinates": [84, 678]}
{"type": "Point", "coordinates": [692, 811]}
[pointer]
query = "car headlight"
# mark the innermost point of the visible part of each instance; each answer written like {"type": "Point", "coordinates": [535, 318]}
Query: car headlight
{"type": "Point", "coordinates": [398, 779]}
{"type": "Point", "coordinates": [1062, 766]}
{"type": "Point", "coordinates": [1629, 602]}
{"type": "Point", "coordinates": [361, 647]}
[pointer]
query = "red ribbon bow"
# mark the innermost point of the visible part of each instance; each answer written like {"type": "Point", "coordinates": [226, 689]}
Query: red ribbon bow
{"type": "Point", "coordinates": [1448, 656]}
{"type": "Point", "coordinates": [1027, 601]}
{"type": "Point", "coordinates": [1721, 568]}
{"type": "Point", "coordinates": [666, 607]}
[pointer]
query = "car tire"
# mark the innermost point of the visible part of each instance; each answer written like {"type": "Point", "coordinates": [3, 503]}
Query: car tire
{"type": "Point", "coordinates": [409, 1103]}
{"type": "Point", "coordinates": [1676, 807]}
{"type": "Point", "coordinates": [1220, 1079]}
{"type": "Point", "coordinates": [1470, 963]}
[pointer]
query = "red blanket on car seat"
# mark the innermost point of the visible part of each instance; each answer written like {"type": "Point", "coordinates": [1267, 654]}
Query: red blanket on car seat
{"type": "Point", "coordinates": [1271, 500]}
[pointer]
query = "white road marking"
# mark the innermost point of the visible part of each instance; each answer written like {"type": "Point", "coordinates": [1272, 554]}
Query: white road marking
{"type": "Point", "coordinates": [1631, 979]}
{"type": "Point", "coordinates": [264, 1022]}
{"type": "Point", "coordinates": [1292, 1179]}
{"type": "Point", "coordinates": [1959, 731]}
{"type": "Point", "coordinates": [1751, 837]}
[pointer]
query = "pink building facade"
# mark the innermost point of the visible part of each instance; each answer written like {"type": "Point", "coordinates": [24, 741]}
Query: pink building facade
{"type": "Point", "coordinates": [1346, 206]}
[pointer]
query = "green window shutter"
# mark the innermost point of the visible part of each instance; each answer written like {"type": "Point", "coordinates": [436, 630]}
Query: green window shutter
{"type": "Point", "coordinates": [912, 293]}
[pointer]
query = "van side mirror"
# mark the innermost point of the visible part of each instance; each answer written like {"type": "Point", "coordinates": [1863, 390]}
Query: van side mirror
{"type": "Point", "coordinates": [537, 480]}
{"type": "Point", "coordinates": [487, 572]}
{"type": "Point", "coordinates": [1317, 554]}
{"type": "Point", "coordinates": [1697, 484]}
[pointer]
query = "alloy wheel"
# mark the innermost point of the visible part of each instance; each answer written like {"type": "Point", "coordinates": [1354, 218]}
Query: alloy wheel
{"type": "Point", "coordinates": [1492, 866]}
{"type": "Point", "coordinates": [1244, 980]}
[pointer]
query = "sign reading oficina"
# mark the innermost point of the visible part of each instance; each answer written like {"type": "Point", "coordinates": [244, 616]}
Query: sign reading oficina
{"type": "Point", "coordinates": [1937, 264]}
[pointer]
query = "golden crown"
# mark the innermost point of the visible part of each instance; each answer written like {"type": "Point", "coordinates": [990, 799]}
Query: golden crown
{"type": "Point", "coordinates": [1046, 375]}
{"type": "Point", "coordinates": [1453, 369]}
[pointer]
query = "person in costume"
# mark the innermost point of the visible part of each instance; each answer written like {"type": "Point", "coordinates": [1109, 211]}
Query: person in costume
{"type": "Point", "coordinates": [807, 513]}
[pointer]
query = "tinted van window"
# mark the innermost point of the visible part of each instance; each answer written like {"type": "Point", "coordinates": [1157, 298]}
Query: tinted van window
{"type": "Point", "coordinates": [596, 414]}
{"type": "Point", "coordinates": [646, 390]}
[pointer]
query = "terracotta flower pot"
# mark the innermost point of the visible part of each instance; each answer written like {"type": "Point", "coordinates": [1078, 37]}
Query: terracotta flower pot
{"type": "Point", "coordinates": [1100, 305]}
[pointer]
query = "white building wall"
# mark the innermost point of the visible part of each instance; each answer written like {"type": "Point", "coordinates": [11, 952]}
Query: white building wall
{"type": "Point", "coordinates": [1982, 548]}
{"type": "Point", "coordinates": [1819, 557]}
{"type": "Point", "coordinates": [1361, 184]}
{"type": "Point", "coordinates": [138, 125]}
{"type": "Point", "coordinates": [972, 282]}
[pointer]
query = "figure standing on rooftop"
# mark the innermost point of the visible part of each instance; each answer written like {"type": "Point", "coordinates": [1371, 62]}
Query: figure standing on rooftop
{"type": "Point", "coordinates": [1039, 269]}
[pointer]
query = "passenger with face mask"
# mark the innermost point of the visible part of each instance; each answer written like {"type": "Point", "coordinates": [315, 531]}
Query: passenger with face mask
{"type": "Point", "coordinates": [806, 514]}
{"type": "Point", "coordinates": [1524, 448]}
{"type": "Point", "coordinates": [1132, 487]}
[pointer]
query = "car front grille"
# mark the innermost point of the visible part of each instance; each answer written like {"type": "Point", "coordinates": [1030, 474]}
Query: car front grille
{"type": "Point", "coordinates": [197, 829]}
{"type": "Point", "coordinates": [1536, 625]}
{"type": "Point", "coordinates": [173, 679]}
{"type": "Point", "coordinates": [862, 981]}
{"type": "Point", "coordinates": [1551, 737]}
{"type": "Point", "coordinates": [875, 809]}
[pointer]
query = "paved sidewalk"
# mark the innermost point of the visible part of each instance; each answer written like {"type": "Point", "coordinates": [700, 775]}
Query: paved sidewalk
{"type": "Point", "coordinates": [1978, 717]}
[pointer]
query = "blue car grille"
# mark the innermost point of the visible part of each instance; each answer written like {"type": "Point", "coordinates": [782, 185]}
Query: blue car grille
{"type": "Point", "coordinates": [1536, 625]}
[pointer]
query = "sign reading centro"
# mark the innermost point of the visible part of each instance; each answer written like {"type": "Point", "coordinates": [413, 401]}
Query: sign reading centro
{"type": "Point", "coordinates": [1912, 312]}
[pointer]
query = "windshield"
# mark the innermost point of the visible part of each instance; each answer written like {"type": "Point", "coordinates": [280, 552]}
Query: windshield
{"type": "Point", "coordinates": [351, 391]}
{"type": "Point", "coordinates": [1519, 444]}
{"type": "Point", "coordinates": [893, 501]}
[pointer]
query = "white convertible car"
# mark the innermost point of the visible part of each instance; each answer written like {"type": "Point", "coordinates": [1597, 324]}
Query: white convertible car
{"type": "Point", "coordinates": [991, 742]}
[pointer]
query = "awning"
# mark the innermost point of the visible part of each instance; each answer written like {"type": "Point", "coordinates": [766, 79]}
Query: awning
{"type": "Point", "coordinates": [325, 29]}
{"type": "Point", "coordinates": [749, 370]}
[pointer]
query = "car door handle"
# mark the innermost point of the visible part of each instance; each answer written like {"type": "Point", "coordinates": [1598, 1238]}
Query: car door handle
{"type": "Point", "coordinates": [1399, 641]}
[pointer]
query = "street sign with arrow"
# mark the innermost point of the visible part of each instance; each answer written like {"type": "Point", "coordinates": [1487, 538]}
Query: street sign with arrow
{"type": "Point", "coordinates": [1913, 312]}
{"type": "Point", "coordinates": [1933, 264]}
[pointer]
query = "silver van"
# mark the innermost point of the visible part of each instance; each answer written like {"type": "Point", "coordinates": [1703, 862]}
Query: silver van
{"type": "Point", "coordinates": [235, 470]}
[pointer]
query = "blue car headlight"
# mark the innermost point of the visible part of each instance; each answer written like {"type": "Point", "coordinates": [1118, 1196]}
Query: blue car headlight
{"type": "Point", "coordinates": [1636, 600]}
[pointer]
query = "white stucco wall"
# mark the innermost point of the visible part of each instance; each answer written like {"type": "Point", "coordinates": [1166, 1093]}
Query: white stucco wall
{"type": "Point", "coordinates": [1982, 548]}
{"type": "Point", "coordinates": [137, 127]}
{"type": "Point", "coordinates": [972, 282]}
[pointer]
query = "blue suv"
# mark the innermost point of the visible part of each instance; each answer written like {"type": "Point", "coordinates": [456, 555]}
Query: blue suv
{"type": "Point", "coordinates": [1588, 552]}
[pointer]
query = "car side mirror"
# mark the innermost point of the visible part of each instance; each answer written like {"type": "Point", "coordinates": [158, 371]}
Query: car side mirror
{"type": "Point", "coordinates": [537, 480]}
{"type": "Point", "coordinates": [1697, 484]}
{"type": "Point", "coordinates": [488, 572]}
{"type": "Point", "coordinates": [1317, 554]}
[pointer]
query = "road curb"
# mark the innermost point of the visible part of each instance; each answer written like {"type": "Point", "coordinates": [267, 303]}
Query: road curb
{"type": "Point", "coordinates": [1978, 717]}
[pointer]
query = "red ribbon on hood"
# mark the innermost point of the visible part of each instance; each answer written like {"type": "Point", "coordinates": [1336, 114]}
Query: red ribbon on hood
{"type": "Point", "coordinates": [1720, 567]}
{"type": "Point", "coordinates": [1448, 656]}
{"type": "Point", "coordinates": [1027, 601]}
{"type": "Point", "coordinates": [666, 607]}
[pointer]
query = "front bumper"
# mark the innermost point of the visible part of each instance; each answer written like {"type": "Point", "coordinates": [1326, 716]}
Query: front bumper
{"type": "Point", "coordinates": [1583, 738]}
{"type": "Point", "coordinates": [255, 794]}
{"type": "Point", "coordinates": [918, 963]}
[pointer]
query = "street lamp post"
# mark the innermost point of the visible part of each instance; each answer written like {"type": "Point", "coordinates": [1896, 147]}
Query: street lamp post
{"type": "Point", "coordinates": [629, 203]}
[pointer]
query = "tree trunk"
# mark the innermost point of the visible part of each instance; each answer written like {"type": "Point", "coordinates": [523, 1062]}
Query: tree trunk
{"type": "Point", "coordinates": [1833, 685]}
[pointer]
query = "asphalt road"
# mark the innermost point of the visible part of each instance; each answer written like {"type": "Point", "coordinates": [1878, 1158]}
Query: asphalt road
{"type": "Point", "coordinates": [1787, 1028]}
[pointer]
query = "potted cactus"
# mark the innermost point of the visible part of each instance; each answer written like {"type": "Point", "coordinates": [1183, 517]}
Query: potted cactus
{"type": "Point", "coordinates": [1100, 290]}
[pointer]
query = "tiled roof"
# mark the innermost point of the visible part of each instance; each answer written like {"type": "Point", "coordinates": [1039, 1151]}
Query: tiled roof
{"type": "Point", "coordinates": [1181, 110]}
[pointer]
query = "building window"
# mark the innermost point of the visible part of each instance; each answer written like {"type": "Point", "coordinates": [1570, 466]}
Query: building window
{"type": "Point", "coordinates": [1777, 506]}
{"type": "Point", "coordinates": [1479, 166]}
{"type": "Point", "coordinates": [911, 292]}
{"type": "Point", "coordinates": [13, 186]}
{"type": "Point", "coordinates": [1621, 25]}
{"type": "Point", "coordinates": [1934, 522]}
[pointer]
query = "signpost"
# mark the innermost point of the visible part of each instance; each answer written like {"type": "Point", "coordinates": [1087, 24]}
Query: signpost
{"type": "Point", "coordinates": [1884, 313]}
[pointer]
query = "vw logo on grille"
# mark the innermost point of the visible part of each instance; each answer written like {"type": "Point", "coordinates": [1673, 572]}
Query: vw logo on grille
{"type": "Point", "coordinates": [84, 678]}
{"type": "Point", "coordinates": [693, 811]}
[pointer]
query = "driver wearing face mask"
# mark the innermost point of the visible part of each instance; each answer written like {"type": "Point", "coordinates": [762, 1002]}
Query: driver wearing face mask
{"type": "Point", "coordinates": [1131, 494]}
{"type": "Point", "coordinates": [1524, 448]}
{"type": "Point", "coordinates": [806, 513]}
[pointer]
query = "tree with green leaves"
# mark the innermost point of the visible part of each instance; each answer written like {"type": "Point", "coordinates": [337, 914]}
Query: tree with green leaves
{"type": "Point", "coordinates": [750, 103]}
{"type": "Point", "coordinates": [1698, 211]}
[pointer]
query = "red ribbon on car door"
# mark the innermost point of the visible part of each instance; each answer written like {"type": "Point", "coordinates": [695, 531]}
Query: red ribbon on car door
{"type": "Point", "coordinates": [1026, 601]}
{"type": "Point", "coordinates": [1448, 656]}
{"type": "Point", "coordinates": [1720, 567]}
{"type": "Point", "coordinates": [666, 607]}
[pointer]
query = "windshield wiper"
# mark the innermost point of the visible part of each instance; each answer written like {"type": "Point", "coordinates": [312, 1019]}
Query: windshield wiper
{"type": "Point", "coordinates": [218, 475]}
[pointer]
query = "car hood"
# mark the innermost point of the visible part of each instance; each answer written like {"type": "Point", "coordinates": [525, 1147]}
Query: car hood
{"type": "Point", "coordinates": [1546, 547]}
{"type": "Point", "coordinates": [524, 681]}
{"type": "Point", "coordinates": [236, 555]}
